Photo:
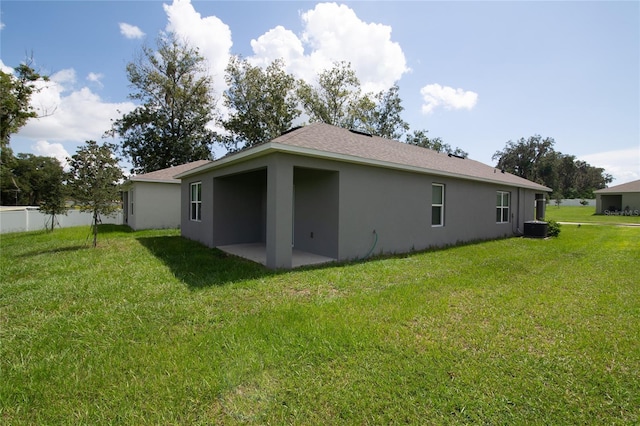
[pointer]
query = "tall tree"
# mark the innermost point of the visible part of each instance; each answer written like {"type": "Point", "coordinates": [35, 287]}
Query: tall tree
{"type": "Point", "coordinates": [382, 117]}
{"type": "Point", "coordinates": [169, 128]}
{"type": "Point", "coordinates": [262, 103]}
{"type": "Point", "coordinates": [535, 159]}
{"type": "Point", "coordinates": [32, 179]}
{"type": "Point", "coordinates": [93, 179]}
{"type": "Point", "coordinates": [336, 99]}
{"type": "Point", "coordinates": [523, 158]}
{"type": "Point", "coordinates": [15, 96]}
{"type": "Point", "coordinates": [420, 138]}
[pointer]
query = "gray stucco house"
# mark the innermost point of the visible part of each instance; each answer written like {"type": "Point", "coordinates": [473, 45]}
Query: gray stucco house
{"type": "Point", "coordinates": [337, 194]}
{"type": "Point", "coordinates": [619, 199]}
{"type": "Point", "coordinates": [152, 200]}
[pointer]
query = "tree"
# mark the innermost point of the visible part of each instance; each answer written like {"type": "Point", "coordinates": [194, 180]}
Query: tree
{"type": "Point", "coordinates": [535, 159]}
{"type": "Point", "coordinates": [336, 99]}
{"type": "Point", "coordinates": [54, 192]}
{"type": "Point", "coordinates": [262, 103]}
{"type": "Point", "coordinates": [382, 116]}
{"type": "Point", "coordinates": [34, 176]}
{"type": "Point", "coordinates": [524, 157]}
{"type": "Point", "coordinates": [170, 127]}
{"type": "Point", "coordinates": [93, 178]}
{"type": "Point", "coordinates": [15, 96]}
{"type": "Point", "coordinates": [420, 138]}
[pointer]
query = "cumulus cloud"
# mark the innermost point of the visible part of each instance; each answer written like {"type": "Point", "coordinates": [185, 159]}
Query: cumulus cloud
{"type": "Point", "coordinates": [622, 164]}
{"type": "Point", "coordinates": [55, 150]}
{"type": "Point", "coordinates": [435, 95]}
{"type": "Point", "coordinates": [335, 33]}
{"type": "Point", "coordinates": [95, 78]}
{"type": "Point", "coordinates": [130, 31]}
{"type": "Point", "coordinates": [5, 69]}
{"type": "Point", "coordinates": [209, 34]}
{"type": "Point", "coordinates": [68, 113]}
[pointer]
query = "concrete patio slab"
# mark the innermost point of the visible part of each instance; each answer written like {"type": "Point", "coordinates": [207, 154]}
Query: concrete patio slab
{"type": "Point", "coordinates": [257, 252]}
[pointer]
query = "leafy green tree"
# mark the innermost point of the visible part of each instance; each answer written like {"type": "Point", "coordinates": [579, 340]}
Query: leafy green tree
{"type": "Point", "coordinates": [169, 128]}
{"type": "Point", "coordinates": [15, 95]}
{"type": "Point", "coordinates": [262, 103]}
{"type": "Point", "coordinates": [93, 181]}
{"type": "Point", "coordinates": [33, 178]}
{"type": "Point", "coordinates": [524, 157]}
{"type": "Point", "coordinates": [535, 159]}
{"type": "Point", "coordinates": [420, 138]}
{"type": "Point", "coordinates": [336, 99]}
{"type": "Point", "coordinates": [382, 116]}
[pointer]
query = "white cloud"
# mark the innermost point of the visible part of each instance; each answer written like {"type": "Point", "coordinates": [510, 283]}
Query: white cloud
{"type": "Point", "coordinates": [68, 113]}
{"type": "Point", "coordinates": [130, 31]}
{"type": "Point", "coordinates": [334, 33]}
{"type": "Point", "coordinates": [209, 34]}
{"type": "Point", "coordinates": [623, 164]}
{"type": "Point", "coordinates": [55, 150]}
{"type": "Point", "coordinates": [95, 78]}
{"type": "Point", "coordinates": [5, 69]}
{"type": "Point", "coordinates": [435, 95]}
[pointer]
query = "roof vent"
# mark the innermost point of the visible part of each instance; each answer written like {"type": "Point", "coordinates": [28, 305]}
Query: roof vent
{"type": "Point", "coordinates": [457, 156]}
{"type": "Point", "coordinates": [360, 132]}
{"type": "Point", "coordinates": [290, 130]}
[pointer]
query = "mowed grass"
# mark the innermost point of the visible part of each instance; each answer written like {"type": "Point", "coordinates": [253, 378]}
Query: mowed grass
{"type": "Point", "coordinates": [586, 214]}
{"type": "Point", "coordinates": [150, 328]}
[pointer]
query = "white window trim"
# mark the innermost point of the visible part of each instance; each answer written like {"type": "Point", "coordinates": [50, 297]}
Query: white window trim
{"type": "Point", "coordinates": [195, 203]}
{"type": "Point", "coordinates": [502, 207]}
{"type": "Point", "coordinates": [441, 224]}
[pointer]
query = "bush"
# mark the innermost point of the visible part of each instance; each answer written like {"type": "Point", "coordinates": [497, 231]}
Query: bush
{"type": "Point", "coordinates": [553, 229]}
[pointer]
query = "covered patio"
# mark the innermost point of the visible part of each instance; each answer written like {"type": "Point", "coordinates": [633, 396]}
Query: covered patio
{"type": "Point", "coordinates": [257, 252]}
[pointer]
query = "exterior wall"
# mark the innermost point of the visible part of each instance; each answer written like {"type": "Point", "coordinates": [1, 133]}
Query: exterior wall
{"type": "Point", "coordinates": [316, 198]}
{"type": "Point", "coordinates": [614, 202]}
{"type": "Point", "coordinates": [342, 210]}
{"type": "Point", "coordinates": [397, 206]}
{"type": "Point", "coordinates": [631, 200]}
{"type": "Point", "coordinates": [155, 205]}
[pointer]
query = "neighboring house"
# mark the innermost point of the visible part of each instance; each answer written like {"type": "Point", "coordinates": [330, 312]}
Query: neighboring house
{"type": "Point", "coordinates": [334, 194]}
{"type": "Point", "coordinates": [152, 200]}
{"type": "Point", "coordinates": [619, 199]}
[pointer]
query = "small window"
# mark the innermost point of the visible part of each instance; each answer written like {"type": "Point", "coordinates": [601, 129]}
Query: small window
{"type": "Point", "coordinates": [502, 207]}
{"type": "Point", "coordinates": [437, 204]}
{"type": "Point", "coordinates": [131, 199]}
{"type": "Point", "coordinates": [196, 201]}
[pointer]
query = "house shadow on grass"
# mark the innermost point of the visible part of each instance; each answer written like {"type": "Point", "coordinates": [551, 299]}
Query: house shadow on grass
{"type": "Point", "coordinates": [199, 266]}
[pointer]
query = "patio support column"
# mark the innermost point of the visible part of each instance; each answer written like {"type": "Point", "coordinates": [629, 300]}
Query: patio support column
{"type": "Point", "coordinates": [279, 213]}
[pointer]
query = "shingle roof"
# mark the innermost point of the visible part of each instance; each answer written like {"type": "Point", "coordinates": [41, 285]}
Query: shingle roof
{"type": "Point", "coordinates": [633, 186]}
{"type": "Point", "coordinates": [168, 175]}
{"type": "Point", "coordinates": [331, 142]}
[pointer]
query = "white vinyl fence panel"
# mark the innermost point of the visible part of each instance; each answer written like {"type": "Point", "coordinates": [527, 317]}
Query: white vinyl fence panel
{"type": "Point", "coordinates": [31, 219]}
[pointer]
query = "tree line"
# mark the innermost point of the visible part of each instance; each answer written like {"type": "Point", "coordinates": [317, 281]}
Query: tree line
{"type": "Point", "coordinates": [172, 125]}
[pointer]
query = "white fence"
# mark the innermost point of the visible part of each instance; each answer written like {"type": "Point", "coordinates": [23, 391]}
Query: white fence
{"type": "Point", "coordinates": [23, 219]}
{"type": "Point", "coordinates": [572, 202]}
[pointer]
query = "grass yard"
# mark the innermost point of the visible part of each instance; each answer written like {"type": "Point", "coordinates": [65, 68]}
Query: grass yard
{"type": "Point", "coordinates": [150, 328]}
{"type": "Point", "coordinates": [586, 214]}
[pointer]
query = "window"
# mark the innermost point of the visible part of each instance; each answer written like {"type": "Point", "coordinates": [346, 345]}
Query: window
{"type": "Point", "coordinates": [131, 200]}
{"type": "Point", "coordinates": [196, 201]}
{"type": "Point", "coordinates": [437, 204]}
{"type": "Point", "coordinates": [502, 207]}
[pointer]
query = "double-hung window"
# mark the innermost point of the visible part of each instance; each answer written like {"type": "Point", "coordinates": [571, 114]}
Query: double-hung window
{"type": "Point", "coordinates": [437, 204]}
{"type": "Point", "coordinates": [502, 207]}
{"type": "Point", "coordinates": [196, 202]}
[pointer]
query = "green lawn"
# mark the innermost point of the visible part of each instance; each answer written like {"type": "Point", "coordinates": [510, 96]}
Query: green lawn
{"type": "Point", "coordinates": [150, 328]}
{"type": "Point", "coordinates": [586, 214]}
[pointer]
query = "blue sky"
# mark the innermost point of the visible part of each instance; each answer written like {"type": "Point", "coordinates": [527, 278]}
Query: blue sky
{"type": "Point", "coordinates": [476, 74]}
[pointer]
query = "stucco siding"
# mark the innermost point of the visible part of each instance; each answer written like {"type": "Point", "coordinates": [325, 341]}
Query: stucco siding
{"type": "Point", "coordinates": [332, 208]}
{"type": "Point", "coordinates": [155, 205]}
